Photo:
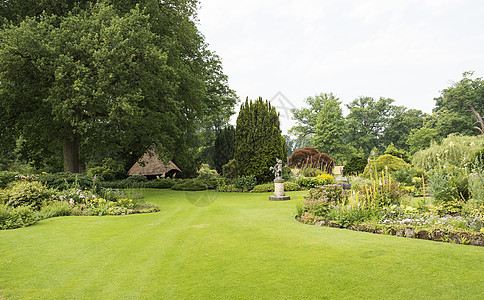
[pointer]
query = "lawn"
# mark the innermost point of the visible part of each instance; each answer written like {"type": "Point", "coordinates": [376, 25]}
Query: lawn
{"type": "Point", "coordinates": [223, 246]}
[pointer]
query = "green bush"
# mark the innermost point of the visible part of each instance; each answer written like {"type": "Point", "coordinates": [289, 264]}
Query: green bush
{"type": "Point", "coordinates": [476, 187]}
{"type": "Point", "coordinates": [477, 159]}
{"type": "Point", "coordinates": [110, 170]}
{"type": "Point", "coordinates": [66, 180]}
{"type": "Point", "coordinates": [25, 193]}
{"type": "Point", "coordinates": [246, 183]}
{"type": "Point", "coordinates": [385, 163]}
{"type": "Point", "coordinates": [311, 182]}
{"type": "Point", "coordinates": [137, 178]}
{"type": "Point", "coordinates": [392, 150]}
{"type": "Point", "coordinates": [351, 215]}
{"type": "Point", "coordinates": [269, 187]}
{"type": "Point", "coordinates": [15, 217]}
{"type": "Point", "coordinates": [229, 170]}
{"type": "Point", "coordinates": [448, 184]}
{"type": "Point", "coordinates": [228, 188]}
{"type": "Point", "coordinates": [310, 172]}
{"type": "Point", "coordinates": [320, 200]}
{"type": "Point", "coordinates": [211, 180]}
{"type": "Point", "coordinates": [356, 165]}
{"type": "Point", "coordinates": [54, 209]}
{"type": "Point", "coordinates": [190, 185]}
{"type": "Point", "coordinates": [161, 183]}
{"type": "Point", "coordinates": [7, 177]}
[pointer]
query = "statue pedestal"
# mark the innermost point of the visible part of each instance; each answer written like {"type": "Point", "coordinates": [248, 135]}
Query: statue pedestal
{"type": "Point", "coordinates": [279, 191]}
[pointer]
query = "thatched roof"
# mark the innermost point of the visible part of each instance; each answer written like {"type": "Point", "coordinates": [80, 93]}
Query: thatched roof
{"type": "Point", "coordinates": [151, 164]}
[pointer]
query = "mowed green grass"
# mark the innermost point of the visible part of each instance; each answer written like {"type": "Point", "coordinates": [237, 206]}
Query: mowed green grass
{"type": "Point", "coordinates": [208, 245]}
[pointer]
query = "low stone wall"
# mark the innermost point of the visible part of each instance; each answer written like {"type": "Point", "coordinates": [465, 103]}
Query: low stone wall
{"type": "Point", "coordinates": [437, 235]}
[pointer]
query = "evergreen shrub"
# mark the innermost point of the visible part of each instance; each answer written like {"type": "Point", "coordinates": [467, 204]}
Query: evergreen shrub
{"type": "Point", "coordinates": [246, 183]}
{"type": "Point", "coordinates": [190, 185]}
{"type": "Point", "coordinates": [356, 165]}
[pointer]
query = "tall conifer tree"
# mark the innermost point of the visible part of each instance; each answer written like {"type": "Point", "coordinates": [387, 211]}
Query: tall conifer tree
{"type": "Point", "coordinates": [258, 140]}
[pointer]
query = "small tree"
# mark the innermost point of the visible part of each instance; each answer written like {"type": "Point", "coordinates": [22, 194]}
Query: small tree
{"type": "Point", "coordinates": [258, 140]}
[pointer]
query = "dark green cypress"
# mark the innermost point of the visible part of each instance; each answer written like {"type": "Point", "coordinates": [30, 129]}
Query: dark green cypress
{"type": "Point", "coordinates": [224, 148]}
{"type": "Point", "coordinates": [258, 140]}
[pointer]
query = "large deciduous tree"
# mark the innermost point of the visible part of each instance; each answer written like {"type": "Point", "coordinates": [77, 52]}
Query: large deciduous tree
{"type": "Point", "coordinates": [400, 124]}
{"type": "Point", "coordinates": [258, 140]}
{"type": "Point", "coordinates": [462, 103]}
{"type": "Point", "coordinates": [367, 121]}
{"type": "Point", "coordinates": [109, 81]}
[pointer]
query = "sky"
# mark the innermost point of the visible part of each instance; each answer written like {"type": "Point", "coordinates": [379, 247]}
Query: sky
{"type": "Point", "coordinates": [288, 50]}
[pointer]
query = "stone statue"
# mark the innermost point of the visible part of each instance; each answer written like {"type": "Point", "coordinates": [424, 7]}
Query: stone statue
{"type": "Point", "coordinates": [278, 183]}
{"type": "Point", "coordinates": [277, 169]}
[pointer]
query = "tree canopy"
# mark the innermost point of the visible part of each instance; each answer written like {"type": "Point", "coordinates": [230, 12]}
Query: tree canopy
{"type": "Point", "coordinates": [109, 80]}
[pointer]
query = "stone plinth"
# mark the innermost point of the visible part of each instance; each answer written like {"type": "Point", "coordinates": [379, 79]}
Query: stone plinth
{"type": "Point", "coordinates": [279, 194]}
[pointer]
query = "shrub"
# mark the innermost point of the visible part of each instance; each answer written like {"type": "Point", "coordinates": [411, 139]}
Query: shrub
{"type": "Point", "coordinates": [269, 187]}
{"type": "Point", "coordinates": [356, 165]}
{"type": "Point", "coordinates": [392, 150]}
{"type": "Point", "coordinates": [229, 169]}
{"type": "Point", "coordinates": [385, 162]}
{"type": "Point", "coordinates": [160, 183]}
{"type": "Point", "coordinates": [137, 178]}
{"type": "Point", "coordinates": [109, 170]}
{"type": "Point", "coordinates": [310, 157]}
{"type": "Point", "coordinates": [246, 183]}
{"type": "Point", "coordinates": [318, 201]}
{"type": "Point", "coordinates": [7, 177]}
{"type": "Point", "coordinates": [211, 179]}
{"type": "Point", "coordinates": [477, 159]}
{"type": "Point", "coordinates": [449, 184]}
{"type": "Point", "coordinates": [189, 185]}
{"type": "Point", "coordinates": [15, 217]}
{"type": "Point", "coordinates": [476, 187]}
{"type": "Point", "coordinates": [54, 209]}
{"type": "Point", "coordinates": [310, 182]}
{"type": "Point", "coordinates": [66, 180]}
{"type": "Point", "coordinates": [228, 188]}
{"type": "Point", "coordinates": [25, 193]}
{"type": "Point", "coordinates": [310, 172]}
{"type": "Point", "coordinates": [351, 215]}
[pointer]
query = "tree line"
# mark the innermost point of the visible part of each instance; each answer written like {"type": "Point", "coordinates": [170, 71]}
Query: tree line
{"type": "Point", "coordinates": [378, 123]}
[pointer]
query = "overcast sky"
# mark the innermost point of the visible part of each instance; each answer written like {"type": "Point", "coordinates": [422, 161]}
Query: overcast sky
{"type": "Point", "coordinates": [407, 50]}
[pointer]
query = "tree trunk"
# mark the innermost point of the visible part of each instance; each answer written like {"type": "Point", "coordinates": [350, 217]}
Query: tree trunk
{"type": "Point", "coordinates": [71, 151]}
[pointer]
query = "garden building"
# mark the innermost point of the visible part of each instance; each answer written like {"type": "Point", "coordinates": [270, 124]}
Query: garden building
{"type": "Point", "coordinates": [151, 166]}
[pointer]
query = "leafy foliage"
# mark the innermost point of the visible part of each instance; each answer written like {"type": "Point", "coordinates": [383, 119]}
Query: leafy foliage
{"type": "Point", "coordinates": [224, 149]}
{"type": "Point", "coordinates": [310, 157]}
{"type": "Point", "coordinates": [25, 193]}
{"type": "Point", "coordinates": [258, 140]}
{"type": "Point", "coordinates": [356, 165]}
{"type": "Point", "coordinates": [454, 150]}
{"type": "Point", "coordinates": [385, 162]}
{"type": "Point", "coordinates": [245, 183]}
